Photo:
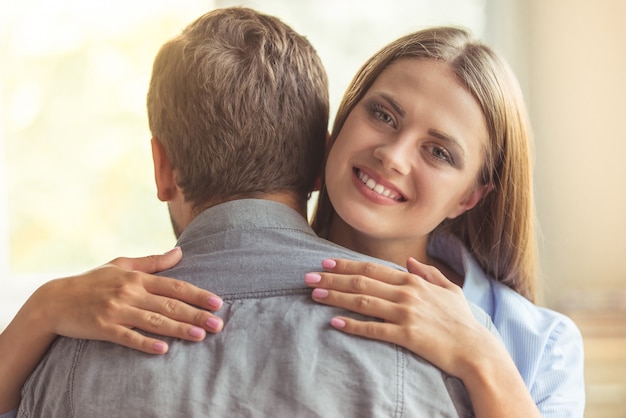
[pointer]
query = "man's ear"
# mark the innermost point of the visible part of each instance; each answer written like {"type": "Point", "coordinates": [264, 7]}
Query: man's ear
{"type": "Point", "coordinates": [163, 173]}
{"type": "Point", "coordinates": [472, 199]}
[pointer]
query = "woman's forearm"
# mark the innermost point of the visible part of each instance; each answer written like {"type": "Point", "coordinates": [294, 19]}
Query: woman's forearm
{"type": "Point", "coordinates": [22, 344]}
{"type": "Point", "coordinates": [494, 384]}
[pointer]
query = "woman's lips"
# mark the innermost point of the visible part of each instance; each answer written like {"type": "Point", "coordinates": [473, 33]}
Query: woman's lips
{"type": "Point", "coordinates": [378, 188]}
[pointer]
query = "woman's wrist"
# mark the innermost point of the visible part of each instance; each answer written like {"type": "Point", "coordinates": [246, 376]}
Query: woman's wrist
{"type": "Point", "coordinates": [39, 312]}
{"type": "Point", "coordinates": [493, 382]}
{"type": "Point", "coordinates": [483, 354]}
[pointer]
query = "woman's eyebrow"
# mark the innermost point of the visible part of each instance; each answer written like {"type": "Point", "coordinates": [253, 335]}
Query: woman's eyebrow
{"type": "Point", "coordinates": [447, 138]}
{"type": "Point", "coordinates": [393, 103]}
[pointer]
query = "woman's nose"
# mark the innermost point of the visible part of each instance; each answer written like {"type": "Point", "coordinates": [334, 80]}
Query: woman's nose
{"type": "Point", "coordinates": [394, 156]}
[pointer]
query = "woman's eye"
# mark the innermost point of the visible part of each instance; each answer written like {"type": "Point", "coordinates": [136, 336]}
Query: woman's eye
{"type": "Point", "coordinates": [380, 114]}
{"type": "Point", "coordinates": [441, 154]}
{"type": "Point", "coordinates": [384, 116]}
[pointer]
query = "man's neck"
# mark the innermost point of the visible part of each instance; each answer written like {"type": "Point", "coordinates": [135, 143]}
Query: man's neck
{"type": "Point", "coordinates": [289, 198]}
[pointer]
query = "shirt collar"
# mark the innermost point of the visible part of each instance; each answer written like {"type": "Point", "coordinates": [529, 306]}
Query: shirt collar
{"type": "Point", "coordinates": [244, 214]}
{"type": "Point", "coordinates": [476, 284]}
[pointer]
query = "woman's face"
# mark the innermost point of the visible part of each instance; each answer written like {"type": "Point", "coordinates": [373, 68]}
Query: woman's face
{"type": "Point", "coordinates": [409, 153]}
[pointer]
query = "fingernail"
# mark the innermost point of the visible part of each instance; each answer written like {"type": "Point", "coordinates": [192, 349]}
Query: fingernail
{"type": "Point", "coordinates": [312, 278]}
{"type": "Point", "coordinates": [338, 323]}
{"type": "Point", "coordinates": [172, 250]}
{"type": "Point", "coordinates": [196, 332]}
{"type": "Point", "coordinates": [214, 323]}
{"type": "Point", "coordinates": [320, 293]}
{"type": "Point", "coordinates": [159, 346]}
{"type": "Point", "coordinates": [329, 264]}
{"type": "Point", "coordinates": [215, 302]}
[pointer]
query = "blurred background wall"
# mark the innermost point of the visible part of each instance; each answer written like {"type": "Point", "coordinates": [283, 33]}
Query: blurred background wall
{"type": "Point", "coordinates": [577, 97]}
{"type": "Point", "coordinates": [75, 170]}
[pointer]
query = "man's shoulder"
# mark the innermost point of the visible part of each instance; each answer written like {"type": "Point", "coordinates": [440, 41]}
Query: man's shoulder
{"type": "Point", "coordinates": [285, 342]}
{"type": "Point", "coordinates": [47, 390]}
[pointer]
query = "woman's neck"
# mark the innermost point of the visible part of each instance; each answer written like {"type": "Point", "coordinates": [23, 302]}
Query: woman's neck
{"type": "Point", "coordinates": [396, 251]}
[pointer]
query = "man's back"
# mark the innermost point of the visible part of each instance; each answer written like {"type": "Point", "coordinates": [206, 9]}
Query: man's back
{"type": "Point", "coordinates": [277, 355]}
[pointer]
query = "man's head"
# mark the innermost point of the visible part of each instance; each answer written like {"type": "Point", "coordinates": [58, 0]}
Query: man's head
{"type": "Point", "coordinates": [238, 105]}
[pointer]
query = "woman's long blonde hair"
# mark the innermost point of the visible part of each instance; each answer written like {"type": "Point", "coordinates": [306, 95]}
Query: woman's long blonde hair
{"type": "Point", "coordinates": [499, 231]}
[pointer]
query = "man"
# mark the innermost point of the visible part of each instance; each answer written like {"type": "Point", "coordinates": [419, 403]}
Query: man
{"type": "Point", "coordinates": [238, 109]}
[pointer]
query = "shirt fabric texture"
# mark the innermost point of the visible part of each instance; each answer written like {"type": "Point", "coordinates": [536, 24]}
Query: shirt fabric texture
{"type": "Point", "coordinates": [277, 355]}
{"type": "Point", "coordinates": [546, 346]}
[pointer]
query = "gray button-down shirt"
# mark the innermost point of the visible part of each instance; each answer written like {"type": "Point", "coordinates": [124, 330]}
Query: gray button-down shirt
{"type": "Point", "coordinates": [277, 355]}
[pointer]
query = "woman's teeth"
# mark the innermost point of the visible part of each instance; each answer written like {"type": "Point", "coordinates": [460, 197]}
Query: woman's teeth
{"type": "Point", "coordinates": [378, 188]}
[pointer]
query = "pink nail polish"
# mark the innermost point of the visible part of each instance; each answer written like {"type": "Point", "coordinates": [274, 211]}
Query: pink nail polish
{"type": "Point", "coordinates": [215, 302]}
{"type": "Point", "coordinates": [196, 332]}
{"type": "Point", "coordinates": [312, 278]}
{"type": "Point", "coordinates": [214, 323]}
{"type": "Point", "coordinates": [329, 264]}
{"type": "Point", "coordinates": [320, 293]}
{"type": "Point", "coordinates": [338, 323]}
{"type": "Point", "coordinates": [159, 346]}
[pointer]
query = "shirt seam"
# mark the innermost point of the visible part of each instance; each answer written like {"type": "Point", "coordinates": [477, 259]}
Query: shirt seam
{"type": "Point", "coordinates": [72, 375]}
{"type": "Point", "coordinates": [399, 382]}
{"type": "Point", "coordinates": [264, 294]}
{"type": "Point", "coordinates": [202, 236]}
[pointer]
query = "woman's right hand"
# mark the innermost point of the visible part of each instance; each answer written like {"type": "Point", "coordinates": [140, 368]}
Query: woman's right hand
{"type": "Point", "coordinates": [421, 309]}
{"type": "Point", "coordinates": [112, 302]}
{"type": "Point", "coordinates": [109, 303]}
{"type": "Point", "coordinates": [427, 314]}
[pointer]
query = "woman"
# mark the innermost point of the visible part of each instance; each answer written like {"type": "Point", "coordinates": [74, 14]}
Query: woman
{"type": "Point", "coordinates": [429, 161]}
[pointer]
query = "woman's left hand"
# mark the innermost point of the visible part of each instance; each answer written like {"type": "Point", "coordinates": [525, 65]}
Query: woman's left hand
{"type": "Point", "coordinates": [421, 310]}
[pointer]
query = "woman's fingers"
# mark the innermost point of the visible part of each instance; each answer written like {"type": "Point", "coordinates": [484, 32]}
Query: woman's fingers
{"type": "Point", "coordinates": [421, 309]}
{"type": "Point", "coordinates": [169, 306]}
{"type": "Point", "coordinates": [381, 331]}
{"type": "Point", "coordinates": [176, 291]}
{"type": "Point", "coordinates": [151, 263]}
{"type": "Point", "coordinates": [124, 328]}
{"type": "Point", "coordinates": [133, 339]}
{"type": "Point", "coordinates": [351, 284]}
{"type": "Point", "coordinates": [428, 273]}
{"type": "Point", "coordinates": [160, 305]}
{"type": "Point", "coordinates": [172, 317]}
{"type": "Point", "coordinates": [138, 269]}
{"type": "Point", "coordinates": [364, 304]}
{"type": "Point", "coordinates": [113, 303]}
{"type": "Point", "coordinates": [368, 280]}
{"type": "Point", "coordinates": [125, 332]}
{"type": "Point", "coordinates": [363, 278]}
{"type": "Point", "coordinates": [372, 270]}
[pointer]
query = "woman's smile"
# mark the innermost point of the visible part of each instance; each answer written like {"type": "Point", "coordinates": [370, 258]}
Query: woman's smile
{"type": "Point", "coordinates": [382, 193]}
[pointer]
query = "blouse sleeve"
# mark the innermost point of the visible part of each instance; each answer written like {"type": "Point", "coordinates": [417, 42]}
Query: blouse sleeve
{"type": "Point", "coordinates": [547, 348]}
{"type": "Point", "coordinates": [10, 414]}
{"type": "Point", "coordinates": [559, 387]}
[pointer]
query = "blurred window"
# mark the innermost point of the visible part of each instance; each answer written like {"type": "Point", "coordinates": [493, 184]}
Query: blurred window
{"type": "Point", "coordinates": [76, 185]}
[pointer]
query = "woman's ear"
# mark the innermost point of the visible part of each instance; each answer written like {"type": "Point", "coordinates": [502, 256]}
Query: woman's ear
{"type": "Point", "coordinates": [472, 199]}
{"type": "Point", "coordinates": [163, 172]}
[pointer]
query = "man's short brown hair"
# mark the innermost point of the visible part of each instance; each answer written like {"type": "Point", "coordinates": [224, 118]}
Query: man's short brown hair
{"type": "Point", "coordinates": [239, 101]}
